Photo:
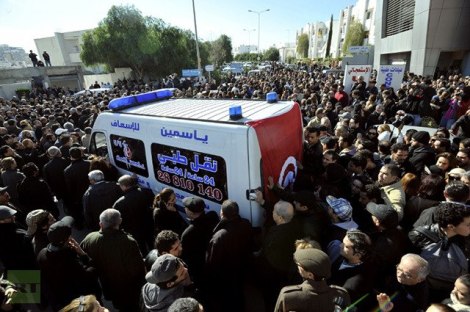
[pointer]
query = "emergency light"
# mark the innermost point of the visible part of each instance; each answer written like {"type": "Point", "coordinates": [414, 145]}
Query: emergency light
{"type": "Point", "coordinates": [235, 112]}
{"type": "Point", "coordinates": [271, 97]}
{"type": "Point", "coordinates": [139, 99]}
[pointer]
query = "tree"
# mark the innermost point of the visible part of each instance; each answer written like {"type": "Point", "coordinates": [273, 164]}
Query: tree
{"type": "Point", "coordinates": [221, 51]}
{"type": "Point", "coordinates": [302, 45]}
{"type": "Point", "coordinates": [124, 38]}
{"type": "Point", "coordinates": [272, 54]}
{"type": "Point", "coordinates": [330, 34]}
{"type": "Point", "coordinates": [354, 36]}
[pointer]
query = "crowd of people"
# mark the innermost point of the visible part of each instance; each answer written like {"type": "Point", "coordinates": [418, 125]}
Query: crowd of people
{"type": "Point", "coordinates": [377, 218]}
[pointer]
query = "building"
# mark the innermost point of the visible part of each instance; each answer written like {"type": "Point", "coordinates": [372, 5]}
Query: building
{"type": "Point", "coordinates": [287, 52]}
{"type": "Point", "coordinates": [64, 50]}
{"type": "Point", "coordinates": [429, 36]}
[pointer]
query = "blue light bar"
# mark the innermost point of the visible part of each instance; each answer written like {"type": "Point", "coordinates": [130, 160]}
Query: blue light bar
{"type": "Point", "coordinates": [139, 99]}
{"type": "Point", "coordinates": [271, 97]}
{"type": "Point", "coordinates": [235, 112]}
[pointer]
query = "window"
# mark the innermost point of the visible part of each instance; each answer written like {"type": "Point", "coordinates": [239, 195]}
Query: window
{"type": "Point", "coordinates": [201, 174]}
{"type": "Point", "coordinates": [129, 154]}
{"type": "Point", "coordinates": [98, 145]}
{"type": "Point", "coordinates": [399, 16]}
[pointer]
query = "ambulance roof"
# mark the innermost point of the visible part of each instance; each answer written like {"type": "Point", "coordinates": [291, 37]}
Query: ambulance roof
{"type": "Point", "coordinates": [210, 110]}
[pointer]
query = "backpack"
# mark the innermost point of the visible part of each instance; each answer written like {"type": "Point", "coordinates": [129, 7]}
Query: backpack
{"type": "Point", "coordinates": [446, 260]}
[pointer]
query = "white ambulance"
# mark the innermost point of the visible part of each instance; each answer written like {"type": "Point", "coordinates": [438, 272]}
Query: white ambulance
{"type": "Point", "coordinates": [213, 149]}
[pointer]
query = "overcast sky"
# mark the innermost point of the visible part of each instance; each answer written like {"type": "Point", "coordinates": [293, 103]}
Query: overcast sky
{"type": "Point", "coordinates": [22, 21]}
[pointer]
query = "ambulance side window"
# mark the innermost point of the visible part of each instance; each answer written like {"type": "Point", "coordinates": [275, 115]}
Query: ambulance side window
{"type": "Point", "coordinates": [98, 145]}
{"type": "Point", "coordinates": [129, 154]}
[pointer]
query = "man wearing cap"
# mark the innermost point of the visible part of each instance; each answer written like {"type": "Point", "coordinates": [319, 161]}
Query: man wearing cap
{"type": "Point", "coordinates": [421, 153]}
{"type": "Point", "coordinates": [76, 179]}
{"type": "Point", "coordinates": [136, 212]}
{"type": "Point", "coordinates": [196, 237]}
{"type": "Point", "coordinates": [388, 240]}
{"type": "Point", "coordinates": [117, 258]}
{"type": "Point", "coordinates": [340, 212]}
{"type": "Point", "coordinates": [16, 251]}
{"type": "Point", "coordinates": [65, 267]}
{"type": "Point", "coordinates": [314, 293]}
{"type": "Point", "coordinates": [165, 283]}
{"type": "Point", "coordinates": [38, 222]}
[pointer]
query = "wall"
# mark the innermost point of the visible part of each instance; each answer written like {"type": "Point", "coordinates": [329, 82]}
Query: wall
{"type": "Point", "coordinates": [8, 91]}
{"type": "Point", "coordinates": [119, 73]}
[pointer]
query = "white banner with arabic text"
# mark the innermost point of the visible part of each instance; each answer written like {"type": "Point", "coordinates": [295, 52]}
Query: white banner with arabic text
{"type": "Point", "coordinates": [391, 76]}
{"type": "Point", "coordinates": [352, 72]}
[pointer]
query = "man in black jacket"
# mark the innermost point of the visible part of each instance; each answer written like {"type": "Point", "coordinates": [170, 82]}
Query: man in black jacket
{"type": "Point", "coordinates": [196, 237]}
{"type": "Point", "coordinates": [76, 179]}
{"type": "Point", "coordinates": [421, 154]}
{"type": "Point", "coordinates": [98, 197]}
{"type": "Point", "coordinates": [135, 208]}
{"type": "Point", "coordinates": [62, 263]}
{"type": "Point", "coordinates": [228, 256]}
{"type": "Point", "coordinates": [53, 172]}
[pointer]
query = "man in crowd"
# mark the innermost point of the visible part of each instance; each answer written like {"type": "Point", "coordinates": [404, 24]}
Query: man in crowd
{"type": "Point", "coordinates": [314, 267]}
{"type": "Point", "coordinates": [117, 258]}
{"type": "Point", "coordinates": [135, 208]}
{"type": "Point", "coordinates": [392, 189]}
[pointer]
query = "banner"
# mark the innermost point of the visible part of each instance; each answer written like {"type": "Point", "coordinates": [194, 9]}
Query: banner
{"type": "Point", "coordinates": [352, 72]}
{"type": "Point", "coordinates": [391, 76]}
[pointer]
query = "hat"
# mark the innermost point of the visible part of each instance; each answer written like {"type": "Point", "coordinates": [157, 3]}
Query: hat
{"type": "Point", "coordinates": [341, 207]}
{"type": "Point", "coordinates": [3, 189]}
{"type": "Point", "coordinates": [387, 216]}
{"type": "Point", "coordinates": [345, 115]}
{"type": "Point", "coordinates": [33, 218]}
{"type": "Point", "coordinates": [60, 131]}
{"type": "Point", "coordinates": [314, 261]}
{"type": "Point", "coordinates": [305, 198]}
{"type": "Point", "coordinates": [53, 151]}
{"type": "Point", "coordinates": [163, 269]}
{"type": "Point", "coordinates": [60, 231]}
{"type": "Point", "coordinates": [194, 204]}
{"type": "Point", "coordinates": [422, 137]}
{"type": "Point", "coordinates": [6, 212]}
{"type": "Point", "coordinates": [457, 172]}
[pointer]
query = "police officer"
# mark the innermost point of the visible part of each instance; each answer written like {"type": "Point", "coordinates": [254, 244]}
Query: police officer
{"type": "Point", "coordinates": [314, 267]}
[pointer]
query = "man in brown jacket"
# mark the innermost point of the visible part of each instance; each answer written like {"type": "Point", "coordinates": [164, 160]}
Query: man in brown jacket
{"type": "Point", "coordinates": [315, 267]}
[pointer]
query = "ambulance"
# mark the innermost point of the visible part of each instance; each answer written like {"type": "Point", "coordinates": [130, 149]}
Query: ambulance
{"type": "Point", "coordinates": [208, 148]}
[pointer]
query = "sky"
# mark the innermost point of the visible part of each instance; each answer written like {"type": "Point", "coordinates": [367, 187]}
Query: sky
{"type": "Point", "coordinates": [22, 21]}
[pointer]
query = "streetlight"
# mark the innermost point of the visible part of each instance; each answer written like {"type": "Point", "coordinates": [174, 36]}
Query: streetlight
{"type": "Point", "coordinates": [259, 31]}
{"type": "Point", "coordinates": [197, 42]}
{"type": "Point", "coordinates": [249, 32]}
